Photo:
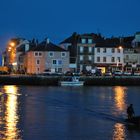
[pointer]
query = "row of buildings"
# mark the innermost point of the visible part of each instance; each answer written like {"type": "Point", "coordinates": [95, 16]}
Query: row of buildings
{"type": "Point", "coordinates": [77, 53]}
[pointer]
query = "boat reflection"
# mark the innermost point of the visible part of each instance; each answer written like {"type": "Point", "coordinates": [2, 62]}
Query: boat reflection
{"type": "Point", "coordinates": [120, 98]}
{"type": "Point", "coordinates": [11, 132]}
{"type": "Point", "coordinates": [119, 132]}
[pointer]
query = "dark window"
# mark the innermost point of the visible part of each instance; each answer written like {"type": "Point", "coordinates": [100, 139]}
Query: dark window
{"type": "Point", "coordinates": [113, 59]}
{"type": "Point", "coordinates": [104, 59]}
{"type": "Point", "coordinates": [113, 50]}
{"type": "Point", "coordinates": [98, 59]}
{"type": "Point", "coordinates": [104, 50]}
{"type": "Point", "coordinates": [98, 49]}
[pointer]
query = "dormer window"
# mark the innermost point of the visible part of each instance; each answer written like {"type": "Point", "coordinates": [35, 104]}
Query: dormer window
{"type": "Point", "coordinates": [83, 41]}
{"type": "Point", "coordinates": [40, 54]}
{"type": "Point", "coordinates": [63, 54]}
{"type": "Point", "coordinates": [89, 41]}
{"type": "Point", "coordinates": [51, 54]}
{"type": "Point", "coordinates": [37, 54]}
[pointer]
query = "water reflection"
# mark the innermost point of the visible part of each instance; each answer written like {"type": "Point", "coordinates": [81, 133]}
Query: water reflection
{"type": "Point", "coordinates": [11, 117]}
{"type": "Point", "coordinates": [119, 132]}
{"type": "Point", "coordinates": [120, 107]}
{"type": "Point", "coordinates": [120, 98]}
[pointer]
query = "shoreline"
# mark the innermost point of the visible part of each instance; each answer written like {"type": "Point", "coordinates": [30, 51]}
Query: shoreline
{"type": "Point", "coordinates": [54, 80]}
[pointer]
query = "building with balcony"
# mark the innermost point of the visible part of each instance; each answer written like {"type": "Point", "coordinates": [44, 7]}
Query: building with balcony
{"type": "Point", "coordinates": [81, 48]}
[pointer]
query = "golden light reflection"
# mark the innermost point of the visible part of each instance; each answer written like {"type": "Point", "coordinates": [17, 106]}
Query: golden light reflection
{"type": "Point", "coordinates": [11, 116]}
{"type": "Point", "coordinates": [119, 132]}
{"type": "Point", "coordinates": [120, 101]}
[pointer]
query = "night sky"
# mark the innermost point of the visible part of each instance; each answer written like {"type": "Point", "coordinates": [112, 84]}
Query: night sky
{"type": "Point", "coordinates": [58, 19]}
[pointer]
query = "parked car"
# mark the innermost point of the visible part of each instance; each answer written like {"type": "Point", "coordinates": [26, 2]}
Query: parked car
{"type": "Point", "coordinates": [68, 73]}
{"type": "Point", "coordinates": [108, 73]}
{"type": "Point", "coordinates": [3, 73]}
{"type": "Point", "coordinates": [118, 73]}
{"type": "Point", "coordinates": [136, 73]}
{"type": "Point", "coordinates": [127, 73]}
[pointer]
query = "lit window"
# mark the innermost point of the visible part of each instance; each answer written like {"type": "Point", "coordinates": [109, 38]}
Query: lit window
{"type": "Point", "coordinates": [81, 57]}
{"type": "Point", "coordinates": [81, 49]}
{"type": "Point", "coordinates": [89, 49]}
{"type": "Point", "coordinates": [89, 41]}
{"type": "Point", "coordinates": [83, 41]}
{"type": "Point", "coordinates": [90, 57]}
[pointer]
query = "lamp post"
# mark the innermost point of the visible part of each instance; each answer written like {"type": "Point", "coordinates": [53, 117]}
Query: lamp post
{"type": "Point", "coordinates": [11, 54]}
{"type": "Point", "coordinates": [119, 60]}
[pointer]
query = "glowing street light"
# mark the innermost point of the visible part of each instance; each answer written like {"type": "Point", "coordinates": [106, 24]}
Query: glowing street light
{"type": "Point", "coordinates": [120, 47]}
{"type": "Point", "coordinates": [12, 44]}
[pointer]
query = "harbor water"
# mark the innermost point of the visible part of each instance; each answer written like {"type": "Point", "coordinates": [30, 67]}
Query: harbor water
{"type": "Point", "coordinates": [67, 113]}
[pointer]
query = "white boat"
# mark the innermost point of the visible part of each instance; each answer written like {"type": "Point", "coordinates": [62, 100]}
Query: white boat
{"type": "Point", "coordinates": [73, 81]}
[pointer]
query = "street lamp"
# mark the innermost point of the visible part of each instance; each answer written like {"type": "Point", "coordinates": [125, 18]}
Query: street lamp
{"type": "Point", "coordinates": [12, 44]}
{"type": "Point", "coordinates": [119, 58]}
{"type": "Point", "coordinates": [11, 54]}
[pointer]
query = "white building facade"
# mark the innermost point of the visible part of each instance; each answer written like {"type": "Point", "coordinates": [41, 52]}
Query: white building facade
{"type": "Point", "coordinates": [109, 58]}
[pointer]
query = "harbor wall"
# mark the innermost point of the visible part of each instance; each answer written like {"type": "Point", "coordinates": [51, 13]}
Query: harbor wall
{"type": "Point", "coordinates": [53, 81]}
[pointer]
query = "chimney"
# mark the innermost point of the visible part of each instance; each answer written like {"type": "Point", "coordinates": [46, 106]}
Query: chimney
{"type": "Point", "coordinates": [47, 40]}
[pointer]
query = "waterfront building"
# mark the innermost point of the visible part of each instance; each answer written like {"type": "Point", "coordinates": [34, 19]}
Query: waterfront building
{"type": "Point", "coordinates": [81, 48]}
{"type": "Point", "coordinates": [132, 53]}
{"type": "Point", "coordinates": [108, 55]}
{"type": "Point", "coordinates": [46, 56]}
{"type": "Point", "coordinates": [13, 55]}
{"type": "Point", "coordinates": [77, 53]}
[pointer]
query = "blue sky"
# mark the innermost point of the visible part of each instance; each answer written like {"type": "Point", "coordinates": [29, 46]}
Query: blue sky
{"type": "Point", "coordinates": [58, 19]}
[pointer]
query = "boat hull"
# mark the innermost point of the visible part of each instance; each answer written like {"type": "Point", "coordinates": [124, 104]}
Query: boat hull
{"type": "Point", "coordinates": [134, 120]}
{"type": "Point", "coordinates": [71, 83]}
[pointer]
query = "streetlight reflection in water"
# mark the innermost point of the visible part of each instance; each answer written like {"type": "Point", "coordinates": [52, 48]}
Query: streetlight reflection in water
{"type": "Point", "coordinates": [11, 117]}
{"type": "Point", "coordinates": [120, 105]}
{"type": "Point", "coordinates": [120, 98]}
{"type": "Point", "coordinates": [119, 132]}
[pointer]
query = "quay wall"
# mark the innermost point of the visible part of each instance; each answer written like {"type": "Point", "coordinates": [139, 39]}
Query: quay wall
{"type": "Point", "coordinates": [54, 81]}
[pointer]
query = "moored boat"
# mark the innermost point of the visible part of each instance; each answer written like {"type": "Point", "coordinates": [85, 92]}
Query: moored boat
{"type": "Point", "coordinates": [135, 120]}
{"type": "Point", "coordinates": [73, 81]}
